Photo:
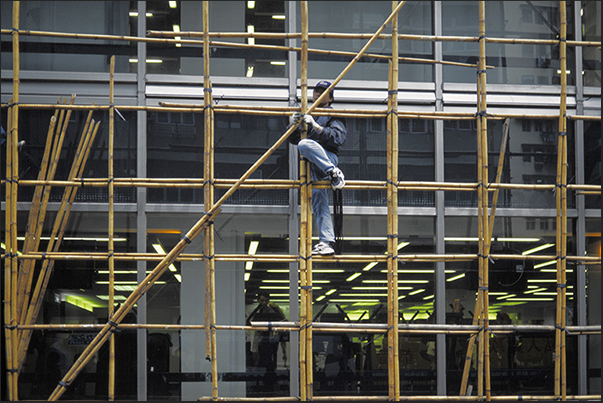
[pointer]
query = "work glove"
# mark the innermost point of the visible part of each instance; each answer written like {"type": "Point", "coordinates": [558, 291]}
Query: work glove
{"type": "Point", "coordinates": [295, 118]}
{"type": "Point", "coordinates": [312, 123]}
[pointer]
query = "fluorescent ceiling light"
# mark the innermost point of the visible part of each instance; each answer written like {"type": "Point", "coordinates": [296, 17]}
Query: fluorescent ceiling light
{"type": "Point", "coordinates": [159, 249]}
{"type": "Point", "coordinates": [249, 72]}
{"type": "Point", "coordinates": [250, 41]}
{"type": "Point", "coordinates": [455, 277]}
{"type": "Point", "coordinates": [251, 4]}
{"type": "Point", "coordinates": [253, 247]}
{"type": "Point", "coordinates": [507, 296]}
{"type": "Point", "coordinates": [278, 17]}
{"type": "Point", "coordinates": [539, 265]}
{"type": "Point", "coordinates": [172, 4]}
{"type": "Point", "coordinates": [537, 249]}
{"type": "Point", "coordinates": [353, 276]}
{"type": "Point", "coordinates": [331, 291]}
{"type": "Point", "coordinates": [370, 266]}
{"type": "Point", "coordinates": [278, 62]}
{"type": "Point", "coordinates": [417, 291]}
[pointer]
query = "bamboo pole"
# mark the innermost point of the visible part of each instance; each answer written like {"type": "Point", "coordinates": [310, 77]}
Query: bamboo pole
{"type": "Point", "coordinates": [111, 227]}
{"type": "Point", "coordinates": [33, 232]}
{"type": "Point", "coordinates": [561, 228]}
{"type": "Point", "coordinates": [392, 218]}
{"type": "Point", "coordinates": [305, 224]}
{"type": "Point", "coordinates": [12, 341]}
{"type": "Point", "coordinates": [55, 239]}
{"type": "Point", "coordinates": [274, 35]}
{"type": "Point", "coordinates": [208, 194]}
{"type": "Point", "coordinates": [10, 319]}
{"type": "Point", "coordinates": [271, 111]}
{"type": "Point", "coordinates": [348, 258]}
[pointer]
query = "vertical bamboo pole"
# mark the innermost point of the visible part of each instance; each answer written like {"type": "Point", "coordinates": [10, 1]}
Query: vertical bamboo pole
{"type": "Point", "coordinates": [471, 342]}
{"type": "Point", "coordinates": [12, 340]}
{"type": "Point", "coordinates": [111, 250]}
{"type": "Point", "coordinates": [305, 225]}
{"type": "Point", "coordinates": [561, 207]}
{"type": "Point", "coordinates": [392, 217]}
{"type": "Point", "coordinates": [208, 195]}
{"type": "Point", "coordinates": [485, 235]}
{"type": "Point", "coordinates": [10, 261]}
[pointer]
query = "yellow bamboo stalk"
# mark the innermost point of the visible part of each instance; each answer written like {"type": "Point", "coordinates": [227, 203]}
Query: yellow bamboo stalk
{"type": "Point", "coordinates": [111, 226]}
{"type": "Point", "coordinates": [54, 243]}
{"type": "Point", "coordinates": [33, 232]}
{"type": "Point", "coordinates": [305, 224]}
{"type": "Point", "coordinates": [12, 341]}
{"type": "Point", "coordinates": [484, 197]}
{"type": "Point", "coordinates": [392, 218]}
{"type": "Point", "coordinates": [561, 205]}
{"type": "Point", "coordinates": [10, 320]}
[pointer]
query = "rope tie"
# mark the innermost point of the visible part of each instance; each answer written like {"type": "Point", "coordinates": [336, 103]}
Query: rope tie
{"type": "Point", "coordinates": [186, 239]}
{"type": "Point", "coordinates": [208, 256]}
{"type": "Point", "coordinates": [391, 183]}
{"type": "Point", "coordinates": [306, 287]}
{"type": "Point", "coordinates": [390, 92]}
{"type": "Point", "coordinates": [63, 384]}
{"type": "Point", "coordinates": [481, 113]}
{"type": "Point", "coordinates": [208, 107]}
{"type": "Point", "coordinates": [392, 112]}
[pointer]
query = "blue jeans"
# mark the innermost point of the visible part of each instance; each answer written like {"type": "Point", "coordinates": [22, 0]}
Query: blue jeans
{"type": "Point", "coordinates": [322, 161]}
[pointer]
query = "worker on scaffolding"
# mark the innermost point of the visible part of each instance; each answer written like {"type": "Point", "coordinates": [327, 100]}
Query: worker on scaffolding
{"type": "Point", "coordinates": [326, 135]}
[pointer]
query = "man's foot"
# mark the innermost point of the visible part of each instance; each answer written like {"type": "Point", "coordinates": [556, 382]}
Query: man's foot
{"type": "Point", "coordinates": [323, 248]}
{"type": "Point", "coordinates": [337, 179]}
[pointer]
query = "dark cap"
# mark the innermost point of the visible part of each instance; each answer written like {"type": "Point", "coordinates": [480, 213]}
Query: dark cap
{"type": "Point", "coordinates": [326, 84]}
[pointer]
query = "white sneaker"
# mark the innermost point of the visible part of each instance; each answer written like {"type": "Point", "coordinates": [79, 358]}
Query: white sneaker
{"type": "Point", "coordinates": [323, 248]}
{"type": "Point", "coordinates": [337, 179]}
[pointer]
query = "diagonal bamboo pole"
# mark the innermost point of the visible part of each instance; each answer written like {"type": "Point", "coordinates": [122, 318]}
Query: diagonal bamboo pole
{"type": "Point", "coordinates": [56, 238]}
{"type": "Point", "coordinates": [33, 232]}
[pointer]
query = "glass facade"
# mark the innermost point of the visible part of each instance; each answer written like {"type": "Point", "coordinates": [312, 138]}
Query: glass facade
{"type": "Point", "coordinates": [156, 361]}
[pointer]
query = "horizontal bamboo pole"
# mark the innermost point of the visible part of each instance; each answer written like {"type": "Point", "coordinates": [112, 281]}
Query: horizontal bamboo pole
{"type": "Point", "coordinates": [152, 37]}
{"type": "Point", "coordinates": [283, 258]}
{"type": "Point", "coordinates": [327, 327]}
{"type": "Point", "coordinates": [287, 183]}
{"type": "Point", "coordinates": [430, 115]}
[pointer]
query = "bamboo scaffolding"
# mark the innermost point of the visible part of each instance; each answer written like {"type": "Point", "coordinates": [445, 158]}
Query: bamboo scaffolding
{"type": "Point", "coordinates": [204, 224]}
